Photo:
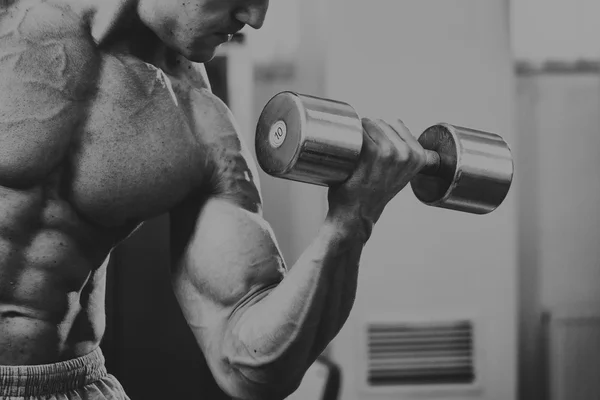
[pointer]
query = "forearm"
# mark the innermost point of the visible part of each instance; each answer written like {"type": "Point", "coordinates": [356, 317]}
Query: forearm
{"type": "Point", "coordinates": [277, 335]}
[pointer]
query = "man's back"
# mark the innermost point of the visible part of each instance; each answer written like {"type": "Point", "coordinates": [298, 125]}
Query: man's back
{"type": "Point", "coordinates": [92, 142]}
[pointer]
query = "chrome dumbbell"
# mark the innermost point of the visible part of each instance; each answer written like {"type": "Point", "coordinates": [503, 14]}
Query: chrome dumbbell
{"type": "Point", "coordinates": [318, 141]}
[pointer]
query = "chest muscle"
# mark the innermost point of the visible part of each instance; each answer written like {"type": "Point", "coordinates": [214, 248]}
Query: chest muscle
{"type": "Point", "coordinates": [111, 124]}
{"type": "Point", "coordinates": [136, 156]}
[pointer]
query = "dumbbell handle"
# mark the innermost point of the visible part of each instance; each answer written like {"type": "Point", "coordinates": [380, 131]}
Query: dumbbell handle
{"type": "Point", "coordinates": [432, 163]}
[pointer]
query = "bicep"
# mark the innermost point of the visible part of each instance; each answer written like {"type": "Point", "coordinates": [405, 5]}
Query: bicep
{"type": "Point", "coordinates": [229, 254]}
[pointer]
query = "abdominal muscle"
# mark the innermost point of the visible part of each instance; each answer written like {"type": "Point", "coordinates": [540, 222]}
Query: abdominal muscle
{"type": "Point", "coordinates": [52, 280]}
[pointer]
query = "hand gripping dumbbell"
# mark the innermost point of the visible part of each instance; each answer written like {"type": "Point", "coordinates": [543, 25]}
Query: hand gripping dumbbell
{"type": "Point", "coordinates": [318, 141]}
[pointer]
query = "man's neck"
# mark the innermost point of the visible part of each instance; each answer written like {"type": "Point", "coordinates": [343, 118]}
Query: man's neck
{"type": "Point", "coordinates": [115, 25]}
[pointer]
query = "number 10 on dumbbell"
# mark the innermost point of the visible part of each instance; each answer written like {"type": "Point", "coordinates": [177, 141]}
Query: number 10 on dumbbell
{"type": "Point", "coordinates": [318, 141]}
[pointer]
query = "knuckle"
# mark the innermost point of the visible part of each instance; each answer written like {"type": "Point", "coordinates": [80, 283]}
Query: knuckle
{"type": "Point", "coordinates": [403, 153]}
{"type": "Point", "coordinates": [386, 151]}
{"type": "Point", "coordinates": [420, 157]}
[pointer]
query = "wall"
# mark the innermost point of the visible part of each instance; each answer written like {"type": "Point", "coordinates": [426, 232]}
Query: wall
{"type": "Point", "coordinates": [556, 29]}
{"type": "Point", "coordinates": [428, 61]}
{"type": "Point", "coordinates": [558, 122]}
{"type": "Point", "coordinates": [558, 190]}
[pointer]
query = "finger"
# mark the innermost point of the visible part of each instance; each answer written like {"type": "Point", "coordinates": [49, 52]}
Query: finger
{"type": "Point", "coordinates": [390, 133]}
{"type": "Point", "coordinates": [372, 143]}
{"type": "Point", "coordinates": [395, 139]}
{"type": "Point", "coordinates": [403, 132]}
{"type": "Point", "coordinates": [416, 149]}
{"type": "Point", "coordinates": [379, 135]}
{"type": "Point", "coordinates": [368, 126]}
{"type": "Point", "coordinates": [394, 146]}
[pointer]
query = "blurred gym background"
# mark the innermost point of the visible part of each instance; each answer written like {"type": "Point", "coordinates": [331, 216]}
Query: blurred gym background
{"type": "Point", "coordinates": [497, 307]}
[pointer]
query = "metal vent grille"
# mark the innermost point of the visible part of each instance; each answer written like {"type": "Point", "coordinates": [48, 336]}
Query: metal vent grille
{"type": "Point", "coordinates": [420, 353]}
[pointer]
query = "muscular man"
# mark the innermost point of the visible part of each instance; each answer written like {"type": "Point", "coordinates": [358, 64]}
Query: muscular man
{"type": "Point", "coordinates": [107, 120]}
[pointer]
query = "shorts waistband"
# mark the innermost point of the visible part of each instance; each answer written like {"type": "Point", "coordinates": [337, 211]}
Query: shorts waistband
{"type": "Point", "coordinates": [39, 380]}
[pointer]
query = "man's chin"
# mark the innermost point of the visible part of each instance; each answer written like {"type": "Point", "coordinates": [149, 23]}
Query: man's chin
{"type": "Point", "coordinates": [202, 55]}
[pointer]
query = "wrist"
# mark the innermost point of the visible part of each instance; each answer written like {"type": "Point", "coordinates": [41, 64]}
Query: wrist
{"type": "Point", "coordinates": [350, 224]}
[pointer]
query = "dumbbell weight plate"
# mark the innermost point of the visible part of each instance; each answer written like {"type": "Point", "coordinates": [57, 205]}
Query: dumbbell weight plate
{"type": "Point", "coordinates": [475, 174]}
{"type": "Point", "coordinates": [308, 139]}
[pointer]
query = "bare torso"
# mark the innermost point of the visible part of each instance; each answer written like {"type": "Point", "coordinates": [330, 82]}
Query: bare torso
{"type": "Point", "coordinates": [92, 143]}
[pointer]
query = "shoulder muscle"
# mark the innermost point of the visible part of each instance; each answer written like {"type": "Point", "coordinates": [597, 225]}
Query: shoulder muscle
{"type": "Point", "coordinates": [234, 174]}
{"type": "Point", "coordinates": [47, 71]}
{"type": "Point", "coordinates": [47, 49]}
